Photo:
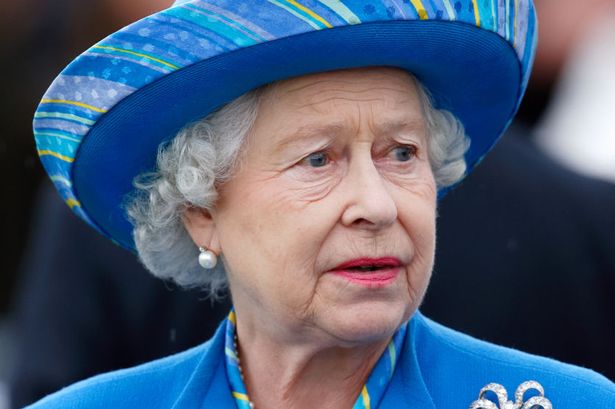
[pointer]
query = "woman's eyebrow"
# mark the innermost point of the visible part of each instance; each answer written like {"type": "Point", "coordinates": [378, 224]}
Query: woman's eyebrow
{"type": "Point", "coordinates": [393, 126]}
{"type": "Point", "coordinates": [306, 134]}
{"type": "Point", "coordinates": [309, 132]}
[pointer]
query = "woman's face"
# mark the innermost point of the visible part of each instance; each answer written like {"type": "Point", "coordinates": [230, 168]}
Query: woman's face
{"type": "Point", "coordinates": [334, 172]}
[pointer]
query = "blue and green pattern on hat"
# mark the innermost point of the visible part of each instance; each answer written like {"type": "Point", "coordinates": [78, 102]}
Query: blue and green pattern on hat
{"type": "Point", "coordinates": [100, 123]}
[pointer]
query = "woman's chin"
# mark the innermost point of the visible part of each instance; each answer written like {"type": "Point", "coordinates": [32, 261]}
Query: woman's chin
{"type": "Point", "coordinates": [367, 322]}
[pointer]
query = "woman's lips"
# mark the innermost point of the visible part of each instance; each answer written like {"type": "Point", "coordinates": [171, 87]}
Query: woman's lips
{"type": "Point", "coordinates": [369, 272]}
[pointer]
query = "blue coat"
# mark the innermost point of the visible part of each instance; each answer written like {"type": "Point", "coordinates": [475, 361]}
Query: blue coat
{"type": "Point", "coordinates": [438, 368]}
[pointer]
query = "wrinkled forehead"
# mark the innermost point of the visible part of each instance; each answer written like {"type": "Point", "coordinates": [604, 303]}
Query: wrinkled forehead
{"type": "Point", "coordinates": [392, 92]}
{"type": "Point", "coordinates": [346, 103]}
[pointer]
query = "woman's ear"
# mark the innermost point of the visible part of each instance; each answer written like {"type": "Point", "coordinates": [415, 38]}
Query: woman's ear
{"type": "Point", "coordinates": [201, 227]}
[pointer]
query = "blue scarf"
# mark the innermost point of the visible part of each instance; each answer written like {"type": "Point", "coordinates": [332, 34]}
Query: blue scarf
{"type": "Point", "coordinates": [371, 393]}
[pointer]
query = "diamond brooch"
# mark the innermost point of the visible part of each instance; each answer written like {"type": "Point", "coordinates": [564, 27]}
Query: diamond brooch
{"type": "Point", "coordinates": [535, 402]}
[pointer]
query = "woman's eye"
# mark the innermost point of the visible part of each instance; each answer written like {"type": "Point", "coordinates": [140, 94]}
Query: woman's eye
{"type": "Point", "coordinates": [316, 160]}
{"type": "Point", "coordinates": [404, 153]}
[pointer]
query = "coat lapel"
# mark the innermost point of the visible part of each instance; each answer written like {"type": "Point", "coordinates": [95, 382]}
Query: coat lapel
{"type": "Point", "coordinates": [407, 388]}
{"type": "Point", "coordinates": [208, 386]}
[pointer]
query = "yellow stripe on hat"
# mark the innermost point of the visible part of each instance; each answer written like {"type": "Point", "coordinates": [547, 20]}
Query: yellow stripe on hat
{"type": "Point", "coordinates": [420, 9]}
{"type": "Point", "coordinates": [310, 13]}
{"type": "Point", "coordinates": [149, 57]}
{"type": "Point", "coordinates": [76, 103]}
{"type": "Point", "coordinates": [73, 203]}
{"type": "Point", "coordinates": [55, 155]}
{"type": "Point", "coordinates": [476, 13]}
{"type": "Point", "coordinates": [365, 396]}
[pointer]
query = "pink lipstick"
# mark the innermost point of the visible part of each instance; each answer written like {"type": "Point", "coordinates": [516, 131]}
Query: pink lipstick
{"type": "Point", "coordinates": [369, 272]}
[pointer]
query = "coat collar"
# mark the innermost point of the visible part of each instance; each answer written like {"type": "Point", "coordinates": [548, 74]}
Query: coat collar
{"type": "Point", "coordinates": [208, 386]}
{"type": "Point", "coordinates": [408, 388]}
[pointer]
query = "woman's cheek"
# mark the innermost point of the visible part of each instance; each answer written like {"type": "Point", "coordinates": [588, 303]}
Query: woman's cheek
{"type": "Point", "coordinates": [307, 185]}
{"type": "Point", "coordinates": [415, 178]}
{"type": "Point", "coordinates": [419, 274]}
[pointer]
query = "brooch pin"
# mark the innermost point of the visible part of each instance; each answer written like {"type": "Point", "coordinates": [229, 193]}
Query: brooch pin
{"type": "Point", "coordinates": [535, 402]}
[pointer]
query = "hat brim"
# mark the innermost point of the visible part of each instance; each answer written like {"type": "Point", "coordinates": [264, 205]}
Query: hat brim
{"type": "Point", "coordinates": [472, 72]}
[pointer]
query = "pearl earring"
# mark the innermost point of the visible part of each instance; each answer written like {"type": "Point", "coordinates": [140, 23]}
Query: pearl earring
{"type": "Point", "coordinates": [207, 258]}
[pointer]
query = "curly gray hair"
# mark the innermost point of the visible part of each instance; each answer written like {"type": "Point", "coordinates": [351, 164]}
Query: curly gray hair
{"type": "Point", "coordinates": [204, 154]}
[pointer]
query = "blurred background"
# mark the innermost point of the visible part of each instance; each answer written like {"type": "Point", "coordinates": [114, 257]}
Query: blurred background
{"type": "Point", "coordinates": [37, 39]}
{"type": "Point", "coordinates": [526, 249]}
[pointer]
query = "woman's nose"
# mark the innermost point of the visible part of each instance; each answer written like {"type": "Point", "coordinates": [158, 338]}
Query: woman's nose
{"type": "Point", "coordinates": [370, 204]}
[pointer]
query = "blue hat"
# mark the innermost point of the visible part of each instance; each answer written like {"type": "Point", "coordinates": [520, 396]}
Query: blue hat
{"type": "Point", "coordinates": [100, 123]}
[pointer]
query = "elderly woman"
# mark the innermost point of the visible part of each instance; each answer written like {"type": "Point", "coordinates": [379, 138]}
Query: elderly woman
{"type": "Point", "coordinates": [303, 144]}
